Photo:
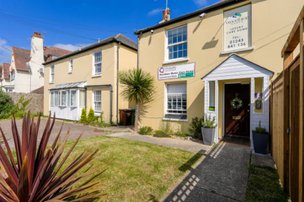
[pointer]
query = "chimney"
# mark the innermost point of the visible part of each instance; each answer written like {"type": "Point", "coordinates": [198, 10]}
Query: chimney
{"type": "Point", "coordinates": [37, 52]}
{"type": "Point", "coordinates": [166, 15]}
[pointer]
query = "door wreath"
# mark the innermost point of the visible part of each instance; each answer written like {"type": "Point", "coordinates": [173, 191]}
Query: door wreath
{"type": "Point", "coordinates": [236, 103]}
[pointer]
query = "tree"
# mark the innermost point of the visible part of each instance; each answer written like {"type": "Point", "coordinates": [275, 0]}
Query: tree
{"type": "Point", "coordinates": [138, 87]}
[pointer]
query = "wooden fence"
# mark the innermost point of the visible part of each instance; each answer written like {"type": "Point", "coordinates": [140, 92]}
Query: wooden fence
{"type": "Point", "coordinates": [287, 114]}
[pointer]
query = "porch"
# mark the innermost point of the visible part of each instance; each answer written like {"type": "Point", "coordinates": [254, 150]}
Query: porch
{"type": "Point", "coordinates": [237, 96]}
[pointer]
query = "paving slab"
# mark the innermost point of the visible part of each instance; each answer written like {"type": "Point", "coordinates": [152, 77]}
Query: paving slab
{"type": "Point", "coordinates": [222, 176]}
{"type": "Point", "coordinates": [188, 145]}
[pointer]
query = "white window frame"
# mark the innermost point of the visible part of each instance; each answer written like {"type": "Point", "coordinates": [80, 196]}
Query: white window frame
{"type": "Point", "coordinates": [94, 101]}
{"type": "Point", "coordinates": [75, 101]}
{"type": "Point", "coordinates": [211, 96]}
{"type": "Point", "coordinates": [12, 75]}
{"type": "Point", "coordinates": [71, 66]}
{"type": "Point", "coordinates": [66, 98]}
{"type": "Point", "coordinates": [167, 58]}
{"type": "Point", "coordinates": [94, 73]}
{"type": "Point", "coordinates": [176, 95]}
{"type": "Point", "coordinates": [52, 73]}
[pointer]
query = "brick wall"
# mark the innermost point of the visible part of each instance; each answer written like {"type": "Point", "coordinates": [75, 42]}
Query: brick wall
{"type": "Point", "coordinates": [36, 103]}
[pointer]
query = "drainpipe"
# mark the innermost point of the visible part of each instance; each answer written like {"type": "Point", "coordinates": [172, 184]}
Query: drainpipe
{"type": "Point", "coordinates": [111, 104]}
{"type": "Point", "coordinates": [117, 81]}
{"type": "Point", "coordinates": [138, 37]}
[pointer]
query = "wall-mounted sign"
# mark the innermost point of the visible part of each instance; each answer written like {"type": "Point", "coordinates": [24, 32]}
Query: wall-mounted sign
{"type": "Point", "coordinates": [237, 28]}
{"type": "Point", "coordinates": [176, 72]}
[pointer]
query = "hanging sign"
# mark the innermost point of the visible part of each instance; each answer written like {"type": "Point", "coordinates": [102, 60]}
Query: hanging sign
{"type": "Point", "coordinates": [176, 72]}
{"type": "Point", "coordinates": [237, 28]}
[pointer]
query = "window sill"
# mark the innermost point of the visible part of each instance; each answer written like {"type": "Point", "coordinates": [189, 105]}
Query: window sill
{"type": "Point", "coordinates": [237, 51]}
{"type": "Point", "coordinates": [96, 76]}
{"type": "Point", "coordinates": [175, 61]}
{"type": "Point", "coordinates": [175, 120]}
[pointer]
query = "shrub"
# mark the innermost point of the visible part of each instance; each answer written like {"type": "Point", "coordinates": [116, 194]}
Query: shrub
{"type": "Point", "coordinates": [161, 133]}
{"type": "Point", "coordinates": [145, 130]}
{"type": "Point", "coordinates": [83, 117]}
{"type": "Point", "coordinates": [91, 117]}
{"type": "Point", "coordinates": [36, 171]}
{"type": "Point", "coordinates": [6, 105]}
{"type": "Point", "coordinates": [181, 134]}
{"type": "Point", "coordinates": [195, 127]}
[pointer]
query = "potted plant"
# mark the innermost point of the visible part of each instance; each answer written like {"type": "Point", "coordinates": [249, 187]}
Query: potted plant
{"type": "Point", "coordinates": [208, 129]}
{"type": "Point", "coordinates": [260, 139]}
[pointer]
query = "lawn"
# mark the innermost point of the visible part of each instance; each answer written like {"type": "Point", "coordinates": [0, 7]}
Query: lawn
{"type": "Point", "coordinates": [135, 171]}
{"type": "Point", "coordinates": [263, 185]}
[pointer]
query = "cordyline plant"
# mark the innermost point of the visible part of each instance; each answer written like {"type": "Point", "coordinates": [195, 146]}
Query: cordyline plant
{"type": "Point", "coordinates": [36, 170]}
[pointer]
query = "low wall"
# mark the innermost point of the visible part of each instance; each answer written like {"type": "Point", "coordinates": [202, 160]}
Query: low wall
{"type": "Point", "coordinates": [36, 103]}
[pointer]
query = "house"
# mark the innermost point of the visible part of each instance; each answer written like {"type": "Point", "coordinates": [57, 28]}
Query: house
{"type": "Point", "coordinates": [88, 78]}
{"type": "Point", "coordinates": [218, 61]}
{"type": "Point", "coordinates": [5, 77]}
{"type": "Point", "coordinates": [26, 69]}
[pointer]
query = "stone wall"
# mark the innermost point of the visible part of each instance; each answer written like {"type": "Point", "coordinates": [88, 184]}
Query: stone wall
{"type": "Point", "coordinates": [36, 103]}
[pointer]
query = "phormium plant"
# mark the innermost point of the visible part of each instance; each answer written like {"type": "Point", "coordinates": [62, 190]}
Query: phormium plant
{"type": "Point", "coordinates": [33, 170]}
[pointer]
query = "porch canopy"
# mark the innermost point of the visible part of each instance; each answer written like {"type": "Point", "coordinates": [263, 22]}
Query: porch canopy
{"type": "Point", "coordinates": [237, 70]}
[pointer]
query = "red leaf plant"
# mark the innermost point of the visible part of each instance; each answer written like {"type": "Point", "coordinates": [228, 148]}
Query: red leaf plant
{"type": "Point", "coordinates": [34, 170]}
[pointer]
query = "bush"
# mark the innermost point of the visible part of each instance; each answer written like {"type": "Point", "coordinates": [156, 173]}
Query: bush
{"type": "Point", "coordinates": [6, 105]}
{"type": "Point", "coordinates": [91, 117]}
{"type": "Point", "coordinates": [161, 133]}
{"type": "Point", "coordinates": [195, 127]}
{"type": "Point", "coordinates": [83, 117]}
{"type": "Point", "coordinates": [181, 134]}
{"type": "Point", "coordinates": [145, 130]}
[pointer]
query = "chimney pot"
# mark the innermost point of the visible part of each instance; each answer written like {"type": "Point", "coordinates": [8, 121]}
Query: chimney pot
{"type": "Point", "coordinates": [37, 34]}
{"type": "Point", "coordinates": [166, 15]}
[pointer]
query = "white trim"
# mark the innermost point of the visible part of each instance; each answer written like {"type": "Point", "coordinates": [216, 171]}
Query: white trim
{"type": "Point", "coordinates": [252, 91]}
{"type": "Point", "coordinates": [93, 66]}
{"type": "Point", "coordinates": [93, 100]}
{"type": "Point", "coordinates": [167, 60]}
{"type": "Point", "coordinates": [216, 109]}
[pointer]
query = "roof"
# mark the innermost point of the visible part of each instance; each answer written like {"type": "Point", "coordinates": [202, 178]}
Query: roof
{"type": "Point", "coordinates": [4, 68]}
{"type": "Point", "coordinates": [21, 57]}
{"type": "Point", "coordinates": [119, 38]}
{"type": "Point", "coordinates": [213, 7]}
{"type": "Point", "coordinates": [242, 59]}
{"type": "Point", "coordinates": [38, 90]}
{"type": "Point", "coordinates": [54, 51]}
{"type": "Point", "coordinates": [80, 84]}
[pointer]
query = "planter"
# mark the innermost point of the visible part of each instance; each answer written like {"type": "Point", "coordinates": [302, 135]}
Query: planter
{"type": "Point", "coordinates": [260, 142]}
{"type": "Point", "coordinates": [208, 135]}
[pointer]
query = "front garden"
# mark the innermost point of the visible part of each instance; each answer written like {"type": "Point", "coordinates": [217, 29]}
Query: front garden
{"type": "Point", "coordinates": [134, 171]}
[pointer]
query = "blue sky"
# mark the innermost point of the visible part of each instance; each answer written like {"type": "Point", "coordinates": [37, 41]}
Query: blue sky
{"type": "Point", "coordinates": [72, 24]}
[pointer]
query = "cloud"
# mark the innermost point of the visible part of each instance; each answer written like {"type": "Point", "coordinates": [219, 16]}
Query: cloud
{"type": "Point", "coordinates": [201, 2]}
{"type": "Point", "coordinates": [70, 47]}
{"type": "Point", "coordinates": [5, 51]}
{"type": "Point", "coordinates": [155, 11]}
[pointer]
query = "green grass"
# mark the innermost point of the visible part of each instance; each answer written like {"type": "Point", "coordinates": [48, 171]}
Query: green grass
{"type": "Point", "coordinates": [135, 171]}
{"type": "Point", "coordinates": [263, 185]}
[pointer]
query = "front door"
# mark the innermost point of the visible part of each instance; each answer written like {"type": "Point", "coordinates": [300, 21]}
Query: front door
{"type": "Point", "coordinates": [237, 110]}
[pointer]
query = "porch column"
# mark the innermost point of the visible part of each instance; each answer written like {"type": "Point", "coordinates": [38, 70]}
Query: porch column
{"type": "Point", "coordinates": [266, 101]}
{"type": "Point", "coordinates": [216, 109]}
{"type": "Point", "coordinates": [206, 98]}
{"type": "Point", "coordinates": [252, 92]}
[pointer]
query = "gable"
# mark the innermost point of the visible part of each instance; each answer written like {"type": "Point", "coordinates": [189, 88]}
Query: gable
{"type": "Point", "coordinates": [236, 67]}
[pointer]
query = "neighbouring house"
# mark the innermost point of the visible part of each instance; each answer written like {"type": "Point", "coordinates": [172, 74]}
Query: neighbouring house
{"type": "Point", "coordinates": [88, 78]}
{"type": "Point", "coordinates": [5, 77]}
{"type": "Point", "coordinates": [26, 69]}
{"type": "Point", "coordinates": [218, 61]}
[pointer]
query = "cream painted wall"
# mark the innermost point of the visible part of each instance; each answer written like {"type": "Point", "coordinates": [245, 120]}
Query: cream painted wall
{"type": "Point", "coordinates": [82, 71]}
{"type": "Point", "coordinates": [272, 21]}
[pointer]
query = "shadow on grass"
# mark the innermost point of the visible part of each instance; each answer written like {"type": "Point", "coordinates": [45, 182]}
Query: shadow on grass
{"type": "Point", "coordinates": [188, 165]}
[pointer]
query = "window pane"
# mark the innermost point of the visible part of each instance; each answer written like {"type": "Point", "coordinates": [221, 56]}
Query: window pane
{"type": "Point", "coordinates": [73, 98]}
{"type": "Point", "coordinates": [97, 101]}
{"type": "Point", "coordinates": [177, 43]}
{"type": "Point", "coordinates": [176, 99]}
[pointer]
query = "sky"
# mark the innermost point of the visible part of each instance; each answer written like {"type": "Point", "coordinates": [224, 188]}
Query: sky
{"type": "Point", "coordinates": [72, 24]}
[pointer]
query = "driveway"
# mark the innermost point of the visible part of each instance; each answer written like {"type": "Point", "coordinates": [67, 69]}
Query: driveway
{"type": "Point", "coordinates": [221, 177]}
{"type": "Point", "coordinates": [75, 129]}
